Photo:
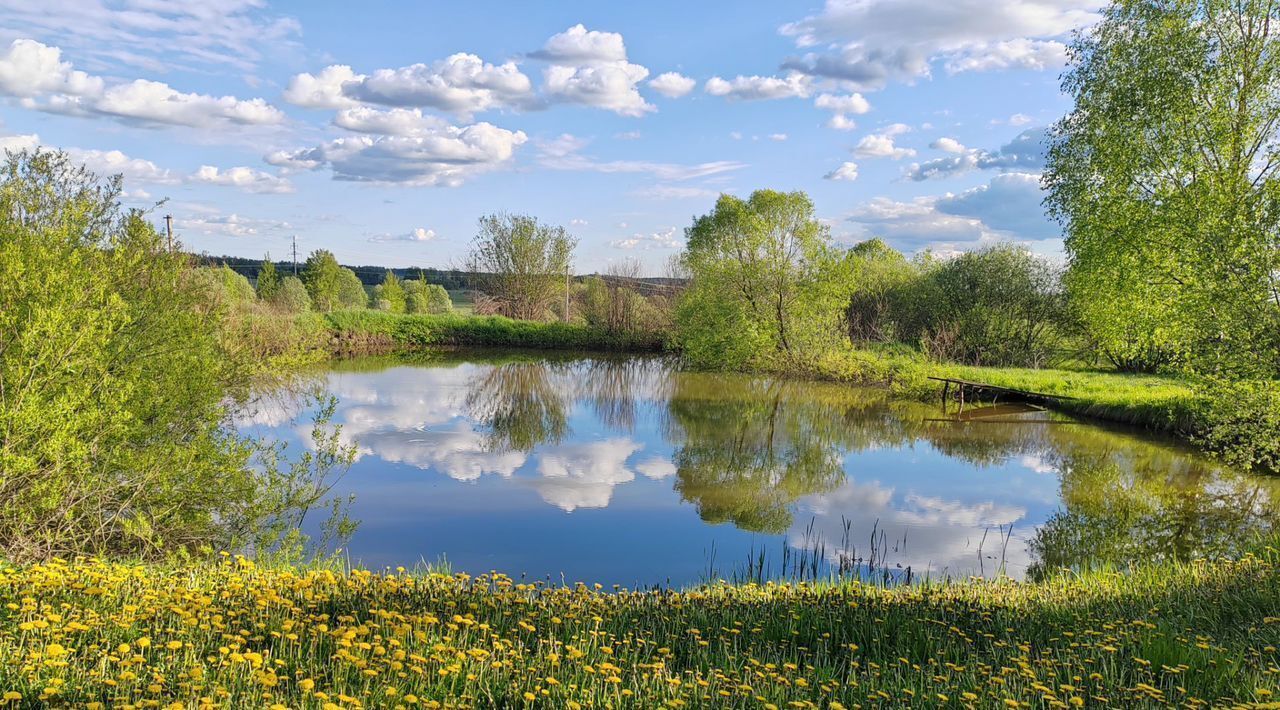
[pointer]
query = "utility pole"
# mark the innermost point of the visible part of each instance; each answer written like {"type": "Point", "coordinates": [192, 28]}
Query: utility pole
{"type": "Point", "coordinates": [168, 229]}
{"type": "Point", "coordinates": [295, 255]}
{"type": "Point", "coordinates": [566, 292]}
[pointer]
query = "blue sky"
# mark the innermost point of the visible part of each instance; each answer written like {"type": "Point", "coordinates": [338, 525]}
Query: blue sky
{"type": "Point", "coordinates": [383, 131]}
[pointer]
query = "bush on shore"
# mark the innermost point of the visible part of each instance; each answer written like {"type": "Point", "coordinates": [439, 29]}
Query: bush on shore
{"type": "Point", "coordinates": [121, 369]}
{"type": "Point", "coordinates": [424, 330]}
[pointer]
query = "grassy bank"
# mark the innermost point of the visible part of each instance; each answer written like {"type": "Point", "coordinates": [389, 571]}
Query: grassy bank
{"type": "Point", "coordinates": [1165, 404]}
{"type": "Point", "coordinates": [230, 635]}
{"type": "Point", "coordinates": [366, 331]}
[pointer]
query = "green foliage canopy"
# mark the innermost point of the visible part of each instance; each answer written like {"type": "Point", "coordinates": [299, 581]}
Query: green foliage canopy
{"type": "Point", "coordinates": [765, 281]}
{"type": "Point", "coordinates": [422, 297]}
{"type": "Point", "coordinates": [292, 296]}
{"type": "Point", "coordinates": [521, 264]}
{"type": "Point", "coordinates": [351, 293]}
{"type": "Point", "coordinates": [322, 275]}
{"type": "Point", "coordinates": [390, 294]}
{"type": "Point", "coordinates": [1164, 176]}
{"type": "Point", "coordinates": [121, 368]}
{"type": "Point", "coordinates": [268, 279]}
{"type": "Point", "coordinates": [108, 342]}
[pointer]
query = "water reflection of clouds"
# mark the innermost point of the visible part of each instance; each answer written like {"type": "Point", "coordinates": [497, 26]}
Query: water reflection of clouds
{"type": "Point", "coordinates": [657, 468]}
{"type": "Point", "coordinates": [420, 417]}
{"type": "Point", "coordinates": [584, 475]}
{"type": "Point", "coordinates": [927, 533]}
{"type": "Point", "coordinates": [458, 451]}
{"type": "Point", "coordinates": [1038, 463]}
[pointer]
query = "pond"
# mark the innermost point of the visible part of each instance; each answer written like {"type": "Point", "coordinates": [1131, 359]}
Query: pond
{"type": "Point", "coordinates": [627, 470]}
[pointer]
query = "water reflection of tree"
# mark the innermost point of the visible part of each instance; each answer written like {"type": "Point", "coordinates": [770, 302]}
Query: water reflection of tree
{"type": "Point", "coordinates": [747, 449]}
{"type": "Point", "coordinates": [1150, 503]}
{"type": "Point", "coordinates": [616, 387]}
{"type": "Point", "coordinates": [1124, 499]}
{"type": "Point", "coordinates": [524, 404]}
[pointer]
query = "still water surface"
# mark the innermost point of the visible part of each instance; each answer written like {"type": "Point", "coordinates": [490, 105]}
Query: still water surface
{"type": "Point", "coordinates": [630, 471]}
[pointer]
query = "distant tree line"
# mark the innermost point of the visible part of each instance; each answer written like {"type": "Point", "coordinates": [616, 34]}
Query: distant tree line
{"type": "Point", "coordinates": [323, 285]}
{"type": "Point", "coordinates": [369, 275]}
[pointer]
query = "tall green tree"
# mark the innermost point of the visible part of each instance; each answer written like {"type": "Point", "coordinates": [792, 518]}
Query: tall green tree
{"type": "Point", "coordinates": [390, 295]}
{"type": "Point", "coordinates": [322, 275]}
{"type": "Point", "coordinates": [1165, 177]}
{"type": "Point", "coordinates": [521, 265]}
{"type": "Point", "coordinates": [268, 279]}
{"type": "Point", "coordinates": [351, 293]}
{"type": "Point", "coordinates": [765, 281]}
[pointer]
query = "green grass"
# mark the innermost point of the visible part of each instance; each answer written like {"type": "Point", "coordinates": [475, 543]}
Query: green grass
{"type": "Point", "coordinates": [1198, 634]}
{"type": "Point", "coordinates": [1165, 404]}
{"type": "Point", "coordinates": [463, 302]}
{"type": "Point", "coordinates": [390, 330]}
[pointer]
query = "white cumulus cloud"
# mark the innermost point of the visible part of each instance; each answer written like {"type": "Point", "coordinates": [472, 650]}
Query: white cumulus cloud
{"type": "Point", "coordinates": [881, 145]}
{"type": "Point", "coordinates": [847, 172]}
{"type": "Point", "coordinates": [462, 84]}
{"type": "Point", "coordinates": [324, 89]}
{"type": "Point", "coordinates": [246, 179]}
{"type": "Point", "coordinates": [419, 234]}
{"type": "Point", "coordinates": [36, 74]}
{"type": "Point", "coordinates": [443, 156]}
{"type": "Point", "coordinates": [867, 44]}
{"type": "Point", "coordinates": [578, 45]}
{"type": "Point", "coordinates": [794, 85]}
{"type": "Point", "coordinates": [666, 239]}
{"type": "Point", "coordinates": [672, 84]}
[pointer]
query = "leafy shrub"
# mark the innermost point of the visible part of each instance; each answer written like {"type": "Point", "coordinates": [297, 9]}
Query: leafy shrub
{"type": "Point", "coordinates": [1240, 421]}
{"type": "Point", "coordinates": [422, 297]}
{"type": "Point", "coordinates": [322, 275]}
{"type": "Point", "coordinates": [291, 296]}
{"type": "Point", "coordinates": [268, 282]}
{"type": "Point", "coordinates": [878, 275]}
{"type": "Point", "coordinates": [390, 294]}
{"type": "Point", "coordinates": [482, 331]}
{"type": "Point", "coordinates": [351, 293]}
{"type": "Point", "coordinates": [438, 300]}
{"type": "Point", "coordinates": [120, 381]}
{"type": "Point", "coordinates": [614, 304]}
{"type": "Point", "coordinates": [219, 284]}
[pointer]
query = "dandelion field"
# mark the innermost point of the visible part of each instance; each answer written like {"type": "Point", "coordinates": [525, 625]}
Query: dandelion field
{"type": "Point", "coordinates": [94, 634]}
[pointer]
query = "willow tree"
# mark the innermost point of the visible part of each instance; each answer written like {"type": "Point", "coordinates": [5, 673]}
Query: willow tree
{"type": "Point", "coordinates": [1164, 177]}
{"type": "Point", "coordinates": [765, 281]}
{"type": "Point", "coordinates": [521, 264]}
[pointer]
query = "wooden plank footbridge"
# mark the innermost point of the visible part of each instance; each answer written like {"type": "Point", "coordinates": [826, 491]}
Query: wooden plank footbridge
{"type": "Point", "coordinates": [980, 391]}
